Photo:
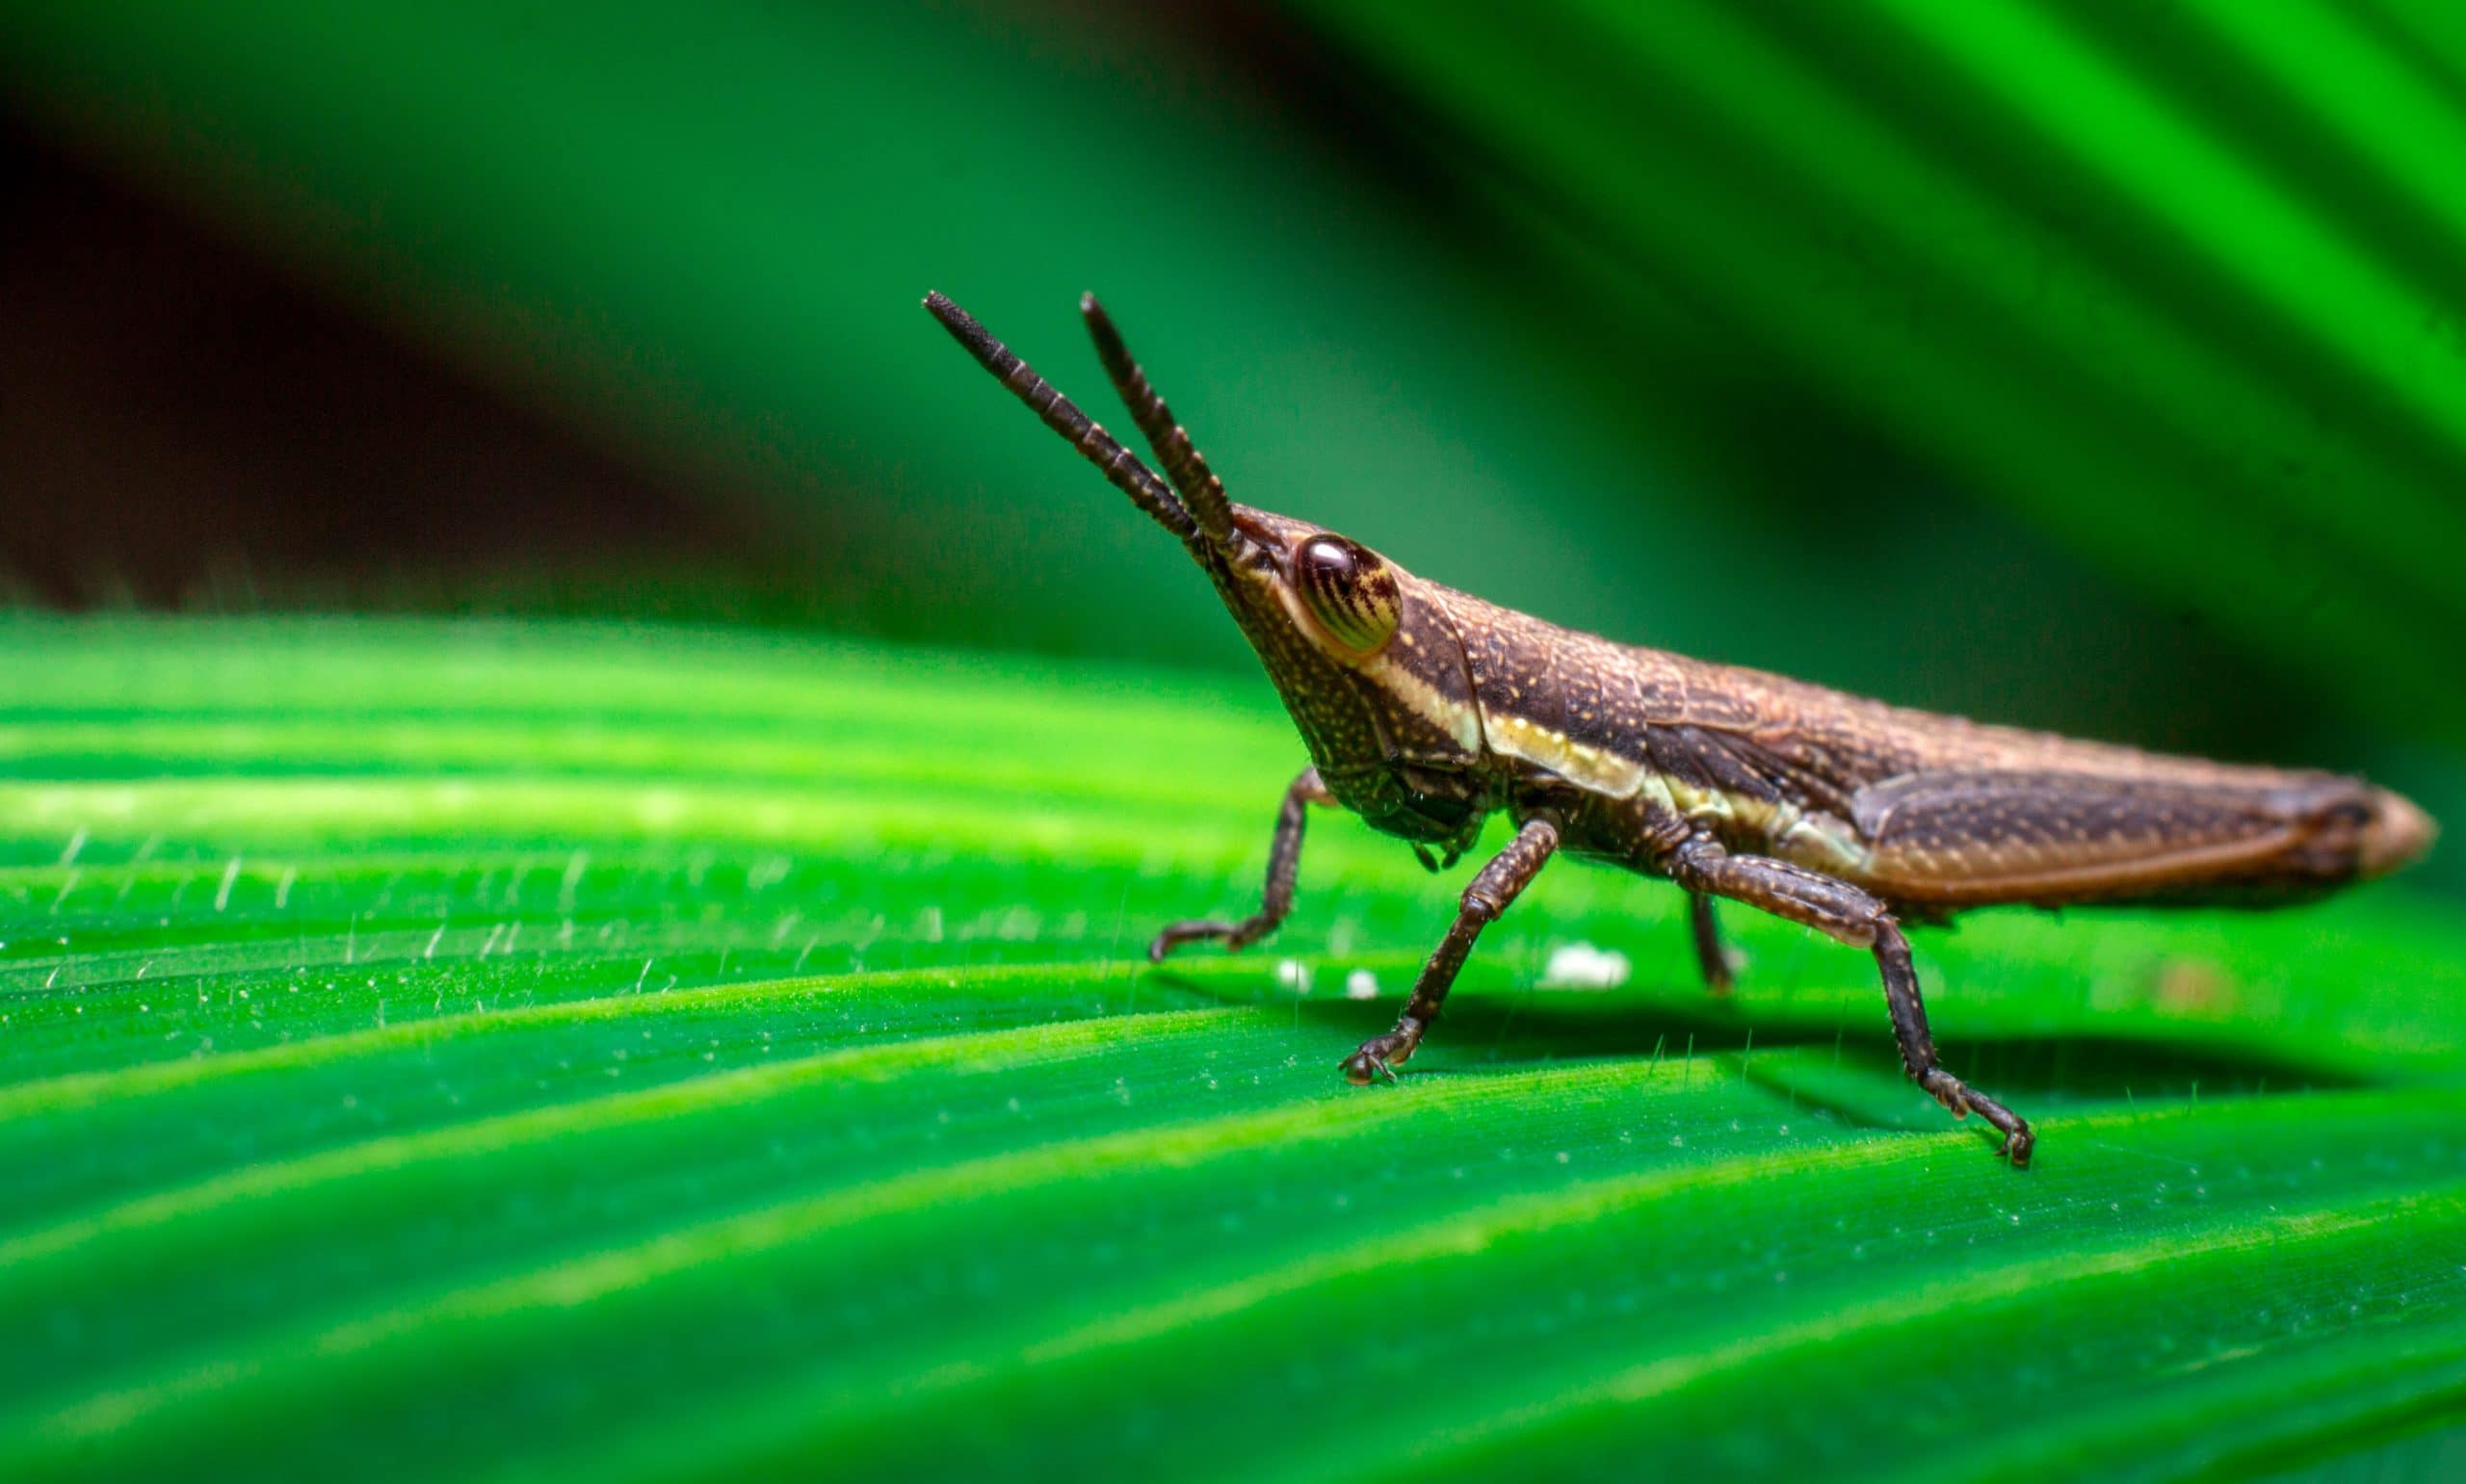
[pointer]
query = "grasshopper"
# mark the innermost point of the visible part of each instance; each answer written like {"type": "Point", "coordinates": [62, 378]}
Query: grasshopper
{"type": "Point", "coordinates": [1426, 710]}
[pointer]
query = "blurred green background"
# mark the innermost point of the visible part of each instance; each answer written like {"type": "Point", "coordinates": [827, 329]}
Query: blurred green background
{"type": "Point", "coordinates": [2096, 366]}
{"type": "Point", "coordinates": [2092, 365]}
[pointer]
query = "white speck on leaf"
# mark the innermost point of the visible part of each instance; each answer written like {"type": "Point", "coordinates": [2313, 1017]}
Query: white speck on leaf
{"type": "Point", "coordinates": [1361, 984]}
{"type": "Point", "coordinates": [1582, 966]}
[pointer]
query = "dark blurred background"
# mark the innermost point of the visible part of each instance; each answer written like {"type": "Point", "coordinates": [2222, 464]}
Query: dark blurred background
{"type": "Point", "coordinates": [2095, 366]}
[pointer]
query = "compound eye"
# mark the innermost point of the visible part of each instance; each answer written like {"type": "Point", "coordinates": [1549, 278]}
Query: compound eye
{"type": "Point", "coordinates": [1350, 591]}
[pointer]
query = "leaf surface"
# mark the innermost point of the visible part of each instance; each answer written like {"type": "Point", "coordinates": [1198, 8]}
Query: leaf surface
{"type": "Point", "coordinates": [603, 1053]}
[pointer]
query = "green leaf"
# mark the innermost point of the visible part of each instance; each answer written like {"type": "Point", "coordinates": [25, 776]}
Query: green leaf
{"type": "Point", "coordinates": [613, 1054]}
{"type": "Point", "coordinates": [2078, 253]}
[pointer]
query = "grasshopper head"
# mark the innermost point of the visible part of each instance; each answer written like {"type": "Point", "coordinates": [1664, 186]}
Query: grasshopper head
{"type": "Point", "coordinates": [1365, 655]}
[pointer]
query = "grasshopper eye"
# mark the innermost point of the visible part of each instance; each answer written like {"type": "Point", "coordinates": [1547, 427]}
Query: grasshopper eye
{"type": "Point", "coordinates": [1350, 591]}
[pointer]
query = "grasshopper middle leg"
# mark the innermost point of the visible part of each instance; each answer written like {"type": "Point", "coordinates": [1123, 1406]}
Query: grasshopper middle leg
{"type": "Point", "coordinates": [1499, 884]}
{"type": "Point", "coordinates": [1284, 865]}
{"type": "Point", "coordinates": [1720, 972]}
{"type": "Point", "coordinates": [1858, 917]}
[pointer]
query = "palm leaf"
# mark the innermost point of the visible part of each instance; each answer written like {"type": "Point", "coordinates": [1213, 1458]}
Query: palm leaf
{"type": "Point", "coordinates": [602, 1052]}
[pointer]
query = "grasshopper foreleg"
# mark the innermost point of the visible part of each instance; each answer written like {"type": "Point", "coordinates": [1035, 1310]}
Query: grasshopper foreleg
{"type": "Point", "coordinates": [1284, 864]}
{"type": "Point", "coordinates": [1854, 917]}
{"type": "Point", "coordinates": [1499, 884]}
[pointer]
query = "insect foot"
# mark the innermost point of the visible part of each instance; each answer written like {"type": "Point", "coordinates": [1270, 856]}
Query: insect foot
{"type": "Point", "coordinates": [1961, 1098]}
{"type": "Point", "coordinates": [1174, 934]}
{"type": "Point", "coordinates": [1379, 1055]}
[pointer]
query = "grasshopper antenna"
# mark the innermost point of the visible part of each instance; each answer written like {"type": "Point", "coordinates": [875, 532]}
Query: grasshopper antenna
{"type": "Point", "coordinates": [1202, 492]}
{"type": "Point", "coordinates": [1119, 465]}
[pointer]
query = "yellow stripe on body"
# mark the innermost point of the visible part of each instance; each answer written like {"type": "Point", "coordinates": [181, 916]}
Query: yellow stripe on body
{"type": "Point", "coordinates": [1459, 720]}
{"type": "Point", "coordinates": [1818, 841]}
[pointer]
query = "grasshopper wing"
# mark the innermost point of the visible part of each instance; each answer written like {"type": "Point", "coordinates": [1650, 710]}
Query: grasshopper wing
{"type": "Point", "coordinates": [1954, 839]}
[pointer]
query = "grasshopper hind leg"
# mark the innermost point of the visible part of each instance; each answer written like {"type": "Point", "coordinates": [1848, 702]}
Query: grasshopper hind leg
{"type": "Point", "coordinates": [1918, 1048]}
{"type": "Point", "coordinates": [1854, 917]}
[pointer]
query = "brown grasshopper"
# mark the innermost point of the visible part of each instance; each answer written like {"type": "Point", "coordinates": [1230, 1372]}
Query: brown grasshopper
{"type": "Point", "coordinates": [1426, 710]}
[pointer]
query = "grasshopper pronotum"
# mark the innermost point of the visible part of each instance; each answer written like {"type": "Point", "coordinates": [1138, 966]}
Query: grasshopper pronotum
{"type": "Point", "coordinates": [1426, 710]}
